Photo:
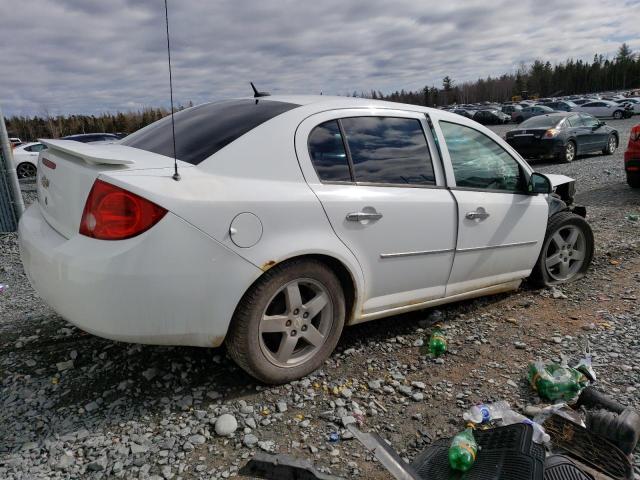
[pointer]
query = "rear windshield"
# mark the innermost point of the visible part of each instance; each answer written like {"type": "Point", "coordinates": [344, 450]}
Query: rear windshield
{"type": "Point", "coordinates": [542, 121]}
{"type": "Point", "coordinates": [203, 130]}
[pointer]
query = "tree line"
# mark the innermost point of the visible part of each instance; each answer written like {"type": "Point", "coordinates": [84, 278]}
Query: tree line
{"type": "Point", "coordinates": [538, 79]}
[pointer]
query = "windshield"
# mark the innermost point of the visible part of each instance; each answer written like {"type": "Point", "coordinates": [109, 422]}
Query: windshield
{"type": "Point", "coordinates": [203, 130]}
{"type": "Point", "coordinates": [542, 121]}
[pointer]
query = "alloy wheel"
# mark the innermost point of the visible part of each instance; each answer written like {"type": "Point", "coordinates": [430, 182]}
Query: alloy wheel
{"type": "Point", "coordinates": [570, 152]}
{"type": "Point", "coordinates": [565, 253]}
{"type": "Point", "coordinates": [26, 170]}
{"type": "Point", "coordinates": [613, 144]}
{"type": "Point", "coordinates": [296, 323]}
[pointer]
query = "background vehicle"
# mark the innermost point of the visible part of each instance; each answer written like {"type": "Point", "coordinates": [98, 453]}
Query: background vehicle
{"type": "Point", "coordinates": [528, 112]}
{"type": "Point", "coordinates": [491, 117]}
{"type": "Point", "coordinates": [632, 158]}
{"type": "Point", "coordinates": [633, 104]}
{"type": "Point", "coordinates": [94, 137]}
{"type": "Point", "coordinates": [464, 112]}
{"type": "Point", "coordinates": [284, 225]}
{"type": "Point", "coordinates": [15, 141]}
{"type": "Point", "coordinates": [561, 105]}
{"type": "Point", "coordinates": [25, 157]}
{"type": "Point", "coordinates": [563, 135]}
{"type": "Point", "coordinates": [510, 109]}
{"type": "Point", "coordinates": [604, 109]}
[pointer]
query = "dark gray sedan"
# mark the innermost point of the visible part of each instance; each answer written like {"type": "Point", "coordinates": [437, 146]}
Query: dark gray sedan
{"type": "Point", "coordinates": [563, 135]}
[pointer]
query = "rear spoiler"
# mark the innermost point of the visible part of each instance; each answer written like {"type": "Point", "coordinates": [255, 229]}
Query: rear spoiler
{"type": "Point", "coordinates": [95, 154]}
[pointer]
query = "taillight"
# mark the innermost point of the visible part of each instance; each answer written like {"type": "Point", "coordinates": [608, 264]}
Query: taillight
{"type": "Point", "coordinates": [113, 213]}
{"type": "Point", "coordinates": [635, 134]}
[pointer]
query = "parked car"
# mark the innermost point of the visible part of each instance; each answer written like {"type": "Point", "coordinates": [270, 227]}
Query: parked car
{"type": "Point", "coordinates": [582, 101]}
{"type": "Point", "coordinates": [292, 217]}
{"type": "Point", "coordinates": [563, 135]}
{"type": "Point", "coordinates": [632, 158]}
{"type": "Point", "coordinates": [25, 158]}
{"type": "Point", "coordinates": [15, 141]}
{"type": "Point", "coordinates": [491, 117]}
{"type": "Point", "coordinates": [561, 105]}
{"type": "Point", "coordinates": [632, 103]}
{"type": "Point", "coordinates": [528, 112]}
{"type": "Point", "coordinates": [604, 109]}
{"type": "Point", "coordinates": [464, 112]}
{"type": "Point", "coordinates": [510, 109]}
{"type": "Point", "coordinates": [94, 137]}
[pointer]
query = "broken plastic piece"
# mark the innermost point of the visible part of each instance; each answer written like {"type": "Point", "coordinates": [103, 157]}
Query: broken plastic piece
{"type": "Point", "coordinates": [539, 435]}
{"type": "Point", "coordinates": [282, 467]}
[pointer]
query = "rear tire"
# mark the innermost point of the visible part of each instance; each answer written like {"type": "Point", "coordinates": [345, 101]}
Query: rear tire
{"type": "Point", "coordinates": [618, 114]}
{"type": "Point", "coordinates": [633, 180]}
{"type": "Point", "coordinates": [612, 145]}
{"type": "Point", "coordinates": [567, 250]}
{"type": "Point", "coordinates": [26, 170]}
{"type": "Point", "coordinates": [569, 153]}
{"type": "Point", "coordinates": [278, 333]}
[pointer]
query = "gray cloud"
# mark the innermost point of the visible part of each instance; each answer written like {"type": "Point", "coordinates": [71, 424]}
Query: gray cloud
{"type": "Point", "coordinates": [90, 56]}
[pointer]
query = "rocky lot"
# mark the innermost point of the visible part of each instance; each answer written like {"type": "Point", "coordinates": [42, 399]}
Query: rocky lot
{"type": "Point", "coordinates": [77, 406]}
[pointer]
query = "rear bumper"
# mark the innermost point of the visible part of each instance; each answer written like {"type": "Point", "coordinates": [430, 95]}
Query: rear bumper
{"type": "Point", "coordinates": [172, 285]}
{"type": "Point", "coordinates": [632, 161]}
{"type": "Point", "coordinates": [538, 147]}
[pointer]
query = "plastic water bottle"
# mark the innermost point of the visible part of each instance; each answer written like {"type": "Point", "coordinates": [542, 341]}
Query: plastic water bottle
{"type": "Point", "coordinates": [463, 451]}
{"type": "Point", "coordinates": [486, 412]}
{"type": "Point", "coordinates": [539, 435]}
{"type": "Point", "coordinates": [437, 342]}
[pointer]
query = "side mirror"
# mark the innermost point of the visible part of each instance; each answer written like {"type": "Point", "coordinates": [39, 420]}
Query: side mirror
{"type": "Point", "coordinates": [539, 183]}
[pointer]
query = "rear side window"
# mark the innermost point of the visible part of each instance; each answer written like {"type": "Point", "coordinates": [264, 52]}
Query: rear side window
{"type": "Point", "coordinates": [388, 150]}
{"type": "Point", "coordinates": [328, 154]}
{"type": "Point", "coordinates": [203, 130]}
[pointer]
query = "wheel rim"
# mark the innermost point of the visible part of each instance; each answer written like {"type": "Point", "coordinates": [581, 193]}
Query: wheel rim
{"type": "Point", "coordinates": [570, 152]}
{"type": "Point", "coordinates": [613, 144]}
{"type": "Point", "coordinates": [26, 170]}
{"type": "Point", "coordinates": [617, 115]}
{"type": "Point", "coordinates": [565, 253]}
{"type": "Point", "coordinates": [296, 323]}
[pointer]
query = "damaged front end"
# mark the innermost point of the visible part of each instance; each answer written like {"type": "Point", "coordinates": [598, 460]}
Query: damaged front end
{"type": "Point", "coordinates": [563, 196]}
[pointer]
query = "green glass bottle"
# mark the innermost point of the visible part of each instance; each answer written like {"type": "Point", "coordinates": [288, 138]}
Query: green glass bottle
{"type": "Point", "coordinates": [437, 342]}
{"type": "Point", "coordinates": [463, 451]}
{"type": "Point", "coordinates": [556, 382]}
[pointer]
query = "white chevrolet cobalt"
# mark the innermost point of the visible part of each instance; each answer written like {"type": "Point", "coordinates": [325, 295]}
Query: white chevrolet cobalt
{"type": "Point", "coordinates": [293, 217]}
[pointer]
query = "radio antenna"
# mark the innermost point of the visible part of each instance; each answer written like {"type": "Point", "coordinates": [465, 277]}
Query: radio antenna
{"type": "Point", "coordinates": [176, 175]}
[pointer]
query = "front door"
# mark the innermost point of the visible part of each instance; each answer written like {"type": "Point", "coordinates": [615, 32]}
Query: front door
{"type": "Point", "coordinates": [383, 193]}
{"type": "Point", "coordinates": [500, 226]}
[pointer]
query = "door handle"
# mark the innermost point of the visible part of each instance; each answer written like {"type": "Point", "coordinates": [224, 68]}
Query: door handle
{"type": "Point", "coordinates": [360, 216]}
{"type": "Point", "coordinates": [479, 214]}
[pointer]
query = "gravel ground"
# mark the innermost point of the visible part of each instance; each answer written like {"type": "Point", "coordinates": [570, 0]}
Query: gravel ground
{"type": "Point", "coordinates": [77, 406]}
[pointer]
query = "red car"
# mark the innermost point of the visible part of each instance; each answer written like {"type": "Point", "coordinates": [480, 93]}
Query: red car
{"type": "Point", "coordinates": [632, 158]}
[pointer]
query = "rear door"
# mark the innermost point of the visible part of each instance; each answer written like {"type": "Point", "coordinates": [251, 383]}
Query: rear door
{"type": "Point", "coordinates": [383, 191]}
{"type": "Point", "coordinates": [500, 226]}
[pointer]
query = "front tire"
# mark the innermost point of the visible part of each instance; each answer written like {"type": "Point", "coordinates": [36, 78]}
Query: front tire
{"type": "Point", "coordinates": [567, 250]}
{"type": "Point", "coordinates": [618, 114]}
{"type": "Point", "coordinates": [288, 323]}
{"type": "Point", "coordinates": [612, 145]}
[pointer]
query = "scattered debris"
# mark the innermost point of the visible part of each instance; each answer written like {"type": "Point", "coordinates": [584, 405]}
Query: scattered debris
{"type": "Point", "coordinates": [437, 342]}
{"type": "Point", "coordinates": [555, 382]}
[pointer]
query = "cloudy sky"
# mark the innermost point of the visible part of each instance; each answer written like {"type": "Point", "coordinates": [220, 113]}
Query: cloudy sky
{"type": "Point", "coordinates": [90, 56]}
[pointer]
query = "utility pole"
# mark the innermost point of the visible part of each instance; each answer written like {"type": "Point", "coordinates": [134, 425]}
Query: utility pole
{"type": "Point", "coordinates": [11, 203]}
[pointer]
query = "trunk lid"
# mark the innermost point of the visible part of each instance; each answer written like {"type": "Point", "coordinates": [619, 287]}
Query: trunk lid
{"type": "Point", "coordinates": [68, 169]}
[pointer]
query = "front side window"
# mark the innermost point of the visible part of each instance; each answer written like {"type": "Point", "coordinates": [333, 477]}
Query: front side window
{"type": "Point", "coordinates": [388, 150]}
{"type": "Point", "coordinates": [36, 148]}
{"type": "Point", "coordinates": [589, 121]}
{"type": "Point", "coordinates": [327, 152]}
{"type": "Point", "coordinates": [480, 163]}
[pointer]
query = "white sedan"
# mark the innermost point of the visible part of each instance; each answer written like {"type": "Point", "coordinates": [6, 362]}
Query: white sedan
{"type": "Point", "coordinates": [633, 103]}
{"type": "Point", "coordinates": [292, 217]}
{"type": "Point", "coordinates": [602, 109]}
{"type": "Point", "coordinates": [25, 158]}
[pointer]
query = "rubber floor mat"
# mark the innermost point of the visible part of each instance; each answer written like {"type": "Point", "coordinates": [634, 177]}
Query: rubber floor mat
{"type": "Point", "coordinates": [589, 448]}
{"type": "Point", "coordinates": [559, 467]}
{"type": "Point", "coordinates": [506, 453]}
